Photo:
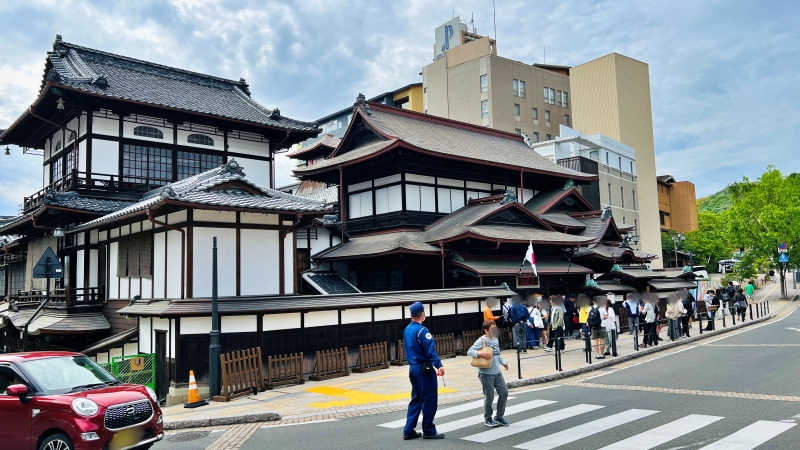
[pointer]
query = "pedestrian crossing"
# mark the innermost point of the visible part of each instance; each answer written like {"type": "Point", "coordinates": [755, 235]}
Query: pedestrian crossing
{"type": "Point", "coordinates": [576, 429]}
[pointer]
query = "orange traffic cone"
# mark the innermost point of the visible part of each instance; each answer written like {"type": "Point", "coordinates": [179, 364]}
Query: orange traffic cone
{"type": "Point", "coordinates": [194, 394]}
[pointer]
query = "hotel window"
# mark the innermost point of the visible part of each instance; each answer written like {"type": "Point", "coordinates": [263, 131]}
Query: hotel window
{"type": "Point", "coordinates": [546, 115]}
{"type": "Point", "coordinates": [566, 119]}
{"type": "Point", "coordinates": [609, 194]}
{"type": "Point", "coordinates": [558, 98]}
{"type": "Point", "coordinates": [201, 139]}
{"type": "Point", "coordinates": [484, 83]}
{"type": "Point", "coordinates": [535, 113]}
{"type": "Point", "coordinates": [517, 130]}
{"type": "Point", "coordinates": [485, 109]}
{"type": "Point", "coordinates": [552, 96]}
{"type": "Point", "coordinates": [622, 196]}
{"type": "Point", "coordinates": [516, 109]}
{"type": "Point", "coordinates": [548, 137]}
{"type": "Point", "coordinates": [146, 165]}
{"type": "Point", "coordinates": [519, 88]}
{"type": "Point", "coordinates": [190, 164]}
{"type": "Point", "coordinates": [564, 97]}
{"type": "Point", "coordinates": [535, 136]}
{"type": "Point", "coordinates": [150, 132]}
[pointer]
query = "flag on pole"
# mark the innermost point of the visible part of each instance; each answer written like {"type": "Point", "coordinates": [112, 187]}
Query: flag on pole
{"type": "Point", "coordinates": [530, 258]}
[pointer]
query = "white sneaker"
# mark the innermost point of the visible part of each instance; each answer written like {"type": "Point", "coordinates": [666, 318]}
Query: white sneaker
{"type": "Point", "coordinates": [548, 349]}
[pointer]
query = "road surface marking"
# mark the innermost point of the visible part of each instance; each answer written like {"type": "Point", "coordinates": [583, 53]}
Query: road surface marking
{"type": "Point", "coordinates": [750, 436]}
{"type": "Point", "coordinates": [529, 424]}
{"type": "Point", "coordinates": [664, 433]}
{"type": "Point", "coordinates": [353, 398]}
{"type": "Point", "coordinates": [745, 395]}
{"type": "Point", "coordinates": [639, 363]}
{"type": "Point", "coordinates": [535, 390]}
{"type": "Point", "coordinates": [442, 413]}
{"type": "Point", "coordinates": [768, 322]}
{"type": "Point", "coordinates": [478, 419]}
{"type": "Point", "coordinates": [299, 423]}
{"type": "Point", "coordinates": [585, 430]}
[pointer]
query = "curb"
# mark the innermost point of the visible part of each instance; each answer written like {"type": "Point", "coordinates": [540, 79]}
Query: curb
{"type": "Point", "coordinates": [221, 421]}
{"type": "Point", "coordinates": [649, 351]}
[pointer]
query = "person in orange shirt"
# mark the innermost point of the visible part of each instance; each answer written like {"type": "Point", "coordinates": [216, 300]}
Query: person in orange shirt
{"type": "Point", "coordinates": [488, 314]}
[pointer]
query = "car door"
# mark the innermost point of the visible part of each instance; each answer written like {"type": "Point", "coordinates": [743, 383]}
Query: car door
{"type": "Point", "coordinates": [15, 412]}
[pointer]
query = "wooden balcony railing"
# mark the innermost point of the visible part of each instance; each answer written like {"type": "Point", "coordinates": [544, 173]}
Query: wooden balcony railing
{"type": "Point", "coordinates": [66, 297]}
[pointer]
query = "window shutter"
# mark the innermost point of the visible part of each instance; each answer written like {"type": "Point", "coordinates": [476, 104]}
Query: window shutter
{"type": "Point", "coordinates": [122, 256]}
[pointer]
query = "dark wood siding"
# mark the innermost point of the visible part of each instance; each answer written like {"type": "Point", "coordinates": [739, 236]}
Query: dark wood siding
{"type": "Point", "coordinates": [118, 322]}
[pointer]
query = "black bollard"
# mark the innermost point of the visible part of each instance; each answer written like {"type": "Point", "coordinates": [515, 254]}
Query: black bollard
{"type": "Point", "coordinates": [614, 343]}
{"type": "Point", "coordinates": [700, 321]}
{"type": "Point", "coordinates": [588, 349]}
{"type": "Point", "coordinates": [723, 317]}
{"type": "Point", "coordinates": [636, 337]}
{"type": "Point", "coordinates": [519, 366]}
{"type": "Point", "coordinates": [750, 307]}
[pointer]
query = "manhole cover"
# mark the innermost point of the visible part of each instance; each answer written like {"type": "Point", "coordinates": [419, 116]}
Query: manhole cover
{"type": "Point", "coordinates": [188, 436]}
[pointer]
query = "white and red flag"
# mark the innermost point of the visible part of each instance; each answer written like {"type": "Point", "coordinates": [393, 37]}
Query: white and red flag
{"type": "Point", "coordinates": [530, 258]}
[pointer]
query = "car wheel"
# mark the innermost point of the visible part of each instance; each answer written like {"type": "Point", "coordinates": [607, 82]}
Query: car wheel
{"type": "Point", "coordinates": [58, 441]}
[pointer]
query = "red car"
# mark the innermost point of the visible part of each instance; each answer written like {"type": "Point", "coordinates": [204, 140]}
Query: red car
{"type": "Point", "coordinates": [65, 401]}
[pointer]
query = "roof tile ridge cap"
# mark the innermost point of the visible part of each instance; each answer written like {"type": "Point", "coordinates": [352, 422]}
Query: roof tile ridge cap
{"type": "Point", "coordinates": [81, 64]}
{"type": "Point", "coordinates": [444, 121]}
{"type": "Point", "coordinates": [285, 195]}
{"type": "Point", "coordinates": [148, 63]}
{"type": "Point", "coordinates": [266, 112]}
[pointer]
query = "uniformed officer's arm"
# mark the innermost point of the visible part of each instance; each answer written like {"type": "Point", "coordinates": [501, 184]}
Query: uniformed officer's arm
{"type": "Point", "coordinates": [430, 348]}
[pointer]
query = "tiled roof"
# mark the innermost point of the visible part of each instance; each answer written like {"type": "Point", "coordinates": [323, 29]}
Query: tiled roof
{"type": "Point", "coordinates": [525, 234]}
{"type": "Point", "coordinates": [329, 283]}
{"type": "Point", "coordinates": [327, 140]}
{"type": "Point", "coordinates": [73, 200]}
{"type": "Point", "coordinates": [631, 272]}
{"type": "Point", "coordinates": [450, 138]}
{"type": "Point", "coordinates": [542, 202]}
{"type": "Point", "coordinates": [611, 252]}
{"type": "Point", "coordinates": [511, 266]}
{"type": "Point", "coordinates": [199, 190]}
{"type": "Point", "coordinates": [55, 321]}
{"type": "Point", "coordinates": [328, 195]}
{"type": "Point", "coordinates": [671, 284]}
{"type": "Point", "coordinates": [125, 78]}
{"type": "Point", "coordinates": [111, 341]}
{"type": "Point", "coordinates": [284, 304]}
{"type": "Point", "coordinates": [564, 220]}
{"type": "Point", "coordinates": [377, 244]}
{"type": "Point", "coordinates": [610, 286]}
{"type": "Point", "coordinates": [359, 152]}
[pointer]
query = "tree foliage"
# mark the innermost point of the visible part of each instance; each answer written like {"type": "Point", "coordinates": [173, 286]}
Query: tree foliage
{"type": "Point", "coordinates": [715, 203]}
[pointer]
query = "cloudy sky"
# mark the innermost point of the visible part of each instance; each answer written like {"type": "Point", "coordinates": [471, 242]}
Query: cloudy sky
{"type": "Point", "coordinates": [724, 75]}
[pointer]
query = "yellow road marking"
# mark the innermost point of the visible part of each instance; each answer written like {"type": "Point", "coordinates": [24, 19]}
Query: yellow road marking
{"type": "Point", "coordinates": [352, 398]}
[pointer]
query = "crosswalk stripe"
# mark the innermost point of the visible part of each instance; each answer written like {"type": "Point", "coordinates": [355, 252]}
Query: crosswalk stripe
{"type": "Point", "coordinates": [442, 413]}
{"type": "Point", "coordinates": [474, 420]}
{"type": "Point", "coordinates": [529, 424]}
{"type": "Point", "coordinates": [582, 431]}
{"type": "Point", "coordinates": [750, 436]}
{"type": "Point", "coordinates": [664, 433]}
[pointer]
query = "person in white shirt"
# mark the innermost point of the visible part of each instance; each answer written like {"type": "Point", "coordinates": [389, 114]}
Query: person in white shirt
{"type": "Point", "coordinates": [610, 324]}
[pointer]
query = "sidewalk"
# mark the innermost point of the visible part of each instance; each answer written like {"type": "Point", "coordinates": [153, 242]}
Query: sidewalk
{"type": "Point", "coordinates": [388, 390]}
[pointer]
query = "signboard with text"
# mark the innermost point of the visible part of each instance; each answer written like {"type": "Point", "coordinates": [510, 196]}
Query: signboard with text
{"type": "Point", "coordinates": [447, 37]}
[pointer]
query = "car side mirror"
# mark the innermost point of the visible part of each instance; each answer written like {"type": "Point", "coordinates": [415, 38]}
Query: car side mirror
{"type": "Point", "coordinates": [17, 390]}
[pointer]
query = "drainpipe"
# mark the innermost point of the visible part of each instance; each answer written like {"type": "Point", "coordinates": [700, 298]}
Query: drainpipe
{"type": "Point", "coordinates": [441, 247]}
{"type": "Point", "coordinates": [183, 247]}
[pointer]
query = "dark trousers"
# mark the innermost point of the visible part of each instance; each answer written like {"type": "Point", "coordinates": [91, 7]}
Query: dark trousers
{"type": "Point", "coordinates": [424, 399]}
{"type": "Point", "coordinates": [647, 327]}
{"type": "Point", "coordinates": [556, 334]}
{"type": "Point", "coordinates": [569, 327]}
{"type": "Point", "coordinates": [685, 324]}
{"type": "Point", "coordinates": [674, 329]}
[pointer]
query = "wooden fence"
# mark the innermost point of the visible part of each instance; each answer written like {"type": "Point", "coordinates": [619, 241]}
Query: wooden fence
{"type": "Point", "coordinates": [331, 364]}
{"type": "Point", "coordinates": [372, 357]}
{"type": "Point", "coordinates": [284, 369]}
{"type": "Point", "coordinates": [241, 370]}
{"type": "Point", "coordinates": [445, 345]}
{"type": "Point", "coordinates": [401, 355]}
{"type": "Point", "coordinates": [467, 339]}
{"type": "Point", "coordinates": [505, 339]}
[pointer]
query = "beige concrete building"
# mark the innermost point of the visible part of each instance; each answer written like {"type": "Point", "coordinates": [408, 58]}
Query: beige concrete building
{"type": "Point", "coordinates": [677, 205]}
{"type": "Point", "coordinates": [611, 96]}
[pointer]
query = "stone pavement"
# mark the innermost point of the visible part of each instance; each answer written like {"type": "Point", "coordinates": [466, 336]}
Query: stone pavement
{"type": "Point", "coordinates": [388, 390]}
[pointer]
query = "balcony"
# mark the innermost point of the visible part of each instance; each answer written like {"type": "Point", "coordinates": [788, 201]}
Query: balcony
{"type": "Point", "coordinates": [94, 183]}
{"type": "Point", "coordinates": [64, 298]}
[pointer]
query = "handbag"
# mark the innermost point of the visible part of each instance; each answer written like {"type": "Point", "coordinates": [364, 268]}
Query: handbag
{"type": "Point", "coordinates": [575, 320]}
{"type": "Point", "coordinates": [482, 363]}
{"type": "Point", "coordinates": [713, 308]}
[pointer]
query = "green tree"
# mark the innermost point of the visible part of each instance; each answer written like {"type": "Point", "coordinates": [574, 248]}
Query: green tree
{"type": "Point", "coordinates": [710, 242]}
{"type": "Point", "coordinates": [765, 213]}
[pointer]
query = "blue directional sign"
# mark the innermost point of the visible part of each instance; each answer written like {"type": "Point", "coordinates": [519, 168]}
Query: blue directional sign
{"type": "Point", "coordinates": [784, 258]}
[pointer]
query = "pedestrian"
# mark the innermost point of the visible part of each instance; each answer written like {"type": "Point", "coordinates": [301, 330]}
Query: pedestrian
{"type": "Point", "coordinates": [583, 314]}
{"type": "Point", "coordinates": [731, 291]}
{"type": "Point", "coordinates": [713, 308]}
{"type": "Point", "coordinates": [772, 276]}
{"type": "Point", "coordinates": [556, 324]}
{"type": "Point", "coordinates": [675, 311]}
{"type": "Point", "coordinates": [488, 347]}
{"type": "Point", "coordinates": [569, 316]}
{"type": "Point", "coordinates": [632, 309]}
{"type": "Point", "coordinates": [504, 309]}
{"type": "Point", "coordinates": [741, 303]}
{"type": "Point", "coordinates": [595, 323]}
{"type": "Point", "coordinates": [488, 314]}
{"type": "Point", "coordinates": [424, 367]}
{"type": "Point", "coordinates": [610, 325]}
{"type": "Point", "coordinates": [529, 330]}
{"type": "Point", "coordinates": [544, 308]}
{"type": "Point", "coordinates": [687, 305]}
{"type": "Point", "coordinates": [750, 289]}
{"type": "Point", "coordinates": [519, 317]}
{"type": "Point", "coordinates": [649, 322]}
{"type": "Point", "coordinates": [536, 323]}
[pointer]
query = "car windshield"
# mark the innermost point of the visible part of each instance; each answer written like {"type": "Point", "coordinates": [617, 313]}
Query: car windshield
{"type": "Point", "coordinates": [67, 374]}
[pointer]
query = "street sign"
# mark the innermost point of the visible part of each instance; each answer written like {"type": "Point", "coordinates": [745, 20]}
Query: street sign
{"type": "Point", "coordinates": [783, 248]}
{"type": "Point", "coordinates": [53, 270]}
{"type": "Point", "coordinates": [784, 258]}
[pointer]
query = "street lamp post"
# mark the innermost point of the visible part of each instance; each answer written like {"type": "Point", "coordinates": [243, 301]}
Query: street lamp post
{"type": "Point", "coordinates": [675, 240]}
{"type": "Point", "coordinates": [214, 349]}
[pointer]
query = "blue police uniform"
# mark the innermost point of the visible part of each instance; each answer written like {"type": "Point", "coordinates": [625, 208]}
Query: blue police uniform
{"type": "Point", "coordinates": [420, 349]}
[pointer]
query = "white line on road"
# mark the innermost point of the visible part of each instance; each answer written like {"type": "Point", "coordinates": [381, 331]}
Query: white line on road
{"type": "Point", "coordinates": [582, 431]}
{"type": "Point", "coordinates": [750, 436]}
{"type": "Point", "coordinates": [442, 413]}
{"type": "Point", "coordinates": [529, 424]}
{"type": "Point", "coordinates": [478, 419]}
{"type": "Point", "coordinates": [638, 364]}
{"type": "Point", "coordinates": [299, 423]}
{"type": "Point", "coordinates": [664, 433]}
{"type": "Point", "coordinates": [535, 390]}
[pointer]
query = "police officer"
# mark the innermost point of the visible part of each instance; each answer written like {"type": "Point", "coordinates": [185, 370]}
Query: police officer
{"type": "Point", "coordinates": [424, 367]}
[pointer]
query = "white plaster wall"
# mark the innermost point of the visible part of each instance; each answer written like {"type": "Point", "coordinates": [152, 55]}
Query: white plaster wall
{"type": "Point", "coordinates": [257, 171]}
{"type": "Point", "coordinates": [124, 287]}
{"type": "Point", "coordinates": [159, 252]}
{"type": "Point", "coordinates": [82, 124]}
{"type": "Point", "coordinates": [177, 217]}
{"type": "Point", "coordinates": [145, 335]}
{"type": "Point", "coordinates": [130, 349]}
{"type": "Point", "coordinates": [389, 313]}
{"type": "Point", "coordinates": [493, 302]}
{"type": "Point", "coordinates": [105, 157]}
{"type": "Point", "coordinates": [288, 263]}
{"type": "Point", "coordinates": [108, 127]}
{"type": "Point", "coordinates": [287, 321]}
{"type": "Point", "coordinates": [321, 318]}
{"type": "Point", "coordinates": [102, 358]}
{"type": "Point", "coordinates": [261, 219]}
{"type": "Point", "coordinates": [135, 287]}
{"type": "Point", "coordinates": [469, 307]}
{"type": "Point", "coordinates": [113, 292]}
{"type": "Point", "coordinates": [147, 288]}
{"type": "Point", "coordinates": [259, 254]}
{"type": "Point", "coordinates": [93, 234]}
{"type": "Point", "coordinates": [114, 352]}
{"type": "Point", "coordinates": [204, 215]}
{"type": "Point", "coordinates": [79, 268]}
{"type": "Point", "coordinates": [247, 148]}
{"type": "Point", "coordinates": [360, 315]}
{"type": "Point", "coordinates": [238, 324]}
{"type": "Point", "coordinates": [174, 268]}
{"type": "Point", "coordinates": [219, 141]}
{"type": "Point", "coordinates": [195, 325]}
{"type": "Point", "coordinates": [444, 309]}
{"type": "Point", "coordinates": [226, 261]}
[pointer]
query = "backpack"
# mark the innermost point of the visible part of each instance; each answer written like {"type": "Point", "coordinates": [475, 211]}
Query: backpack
{"type": "Point", "coordinates": [594, 320]}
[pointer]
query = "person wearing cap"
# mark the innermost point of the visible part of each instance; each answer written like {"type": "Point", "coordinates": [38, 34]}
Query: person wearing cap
{"type": "Point", "coordinates": [424, 367]}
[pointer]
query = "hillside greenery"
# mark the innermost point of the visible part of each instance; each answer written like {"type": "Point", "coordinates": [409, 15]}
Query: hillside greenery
{"type": "Point", "coordinates": [715, 203]}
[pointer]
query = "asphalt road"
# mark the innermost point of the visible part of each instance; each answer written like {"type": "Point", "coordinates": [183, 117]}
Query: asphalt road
{"type": "Point", "coordinates": [638, 407]}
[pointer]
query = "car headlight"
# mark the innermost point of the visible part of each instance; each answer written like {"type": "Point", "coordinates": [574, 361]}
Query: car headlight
{"type": "Point", "coordinates": [84, 407]}
{"type": "Point", "coordinates": [152, 394]}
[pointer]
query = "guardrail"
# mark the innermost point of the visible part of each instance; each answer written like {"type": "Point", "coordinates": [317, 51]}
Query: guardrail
{"type": "Point", "coordinates": [284, 369]}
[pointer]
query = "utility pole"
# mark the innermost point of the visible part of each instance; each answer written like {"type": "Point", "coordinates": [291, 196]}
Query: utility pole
{"type": "Point", "coordinates": [214, 349]}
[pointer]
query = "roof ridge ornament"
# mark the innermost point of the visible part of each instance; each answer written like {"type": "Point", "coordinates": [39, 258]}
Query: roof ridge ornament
{"type": "Point", "coordinates": [245, 86]}
{"type": "Point", "coordinates": [54, 76]}
{"type": "Point", "coordinates": [527, 140]}
{"type": "Point", "coordinates": [606, 213]}
{"type": "Point", "coordinates": [100, 81]}
{"type": "Point", "coordinates": [510, 196]}
{"type": "Point", "coordinates": [232, 167]}
{"type": "Point", "coordinates": [57, 42]}
{"type": "Point", "coordinates": [616, 268]}
{"type": "Point", "coordinates": [361, 102]}
{"type": "Point", "coordinates": [569, 184]}
{"type": "Point", "coordinates": [275, 114]}
{"type": "Point", "coordinates": [591, 283]}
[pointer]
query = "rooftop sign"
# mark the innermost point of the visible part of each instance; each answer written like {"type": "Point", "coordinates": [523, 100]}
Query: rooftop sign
{"type": "Point", "coordinates": [447, 37]}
